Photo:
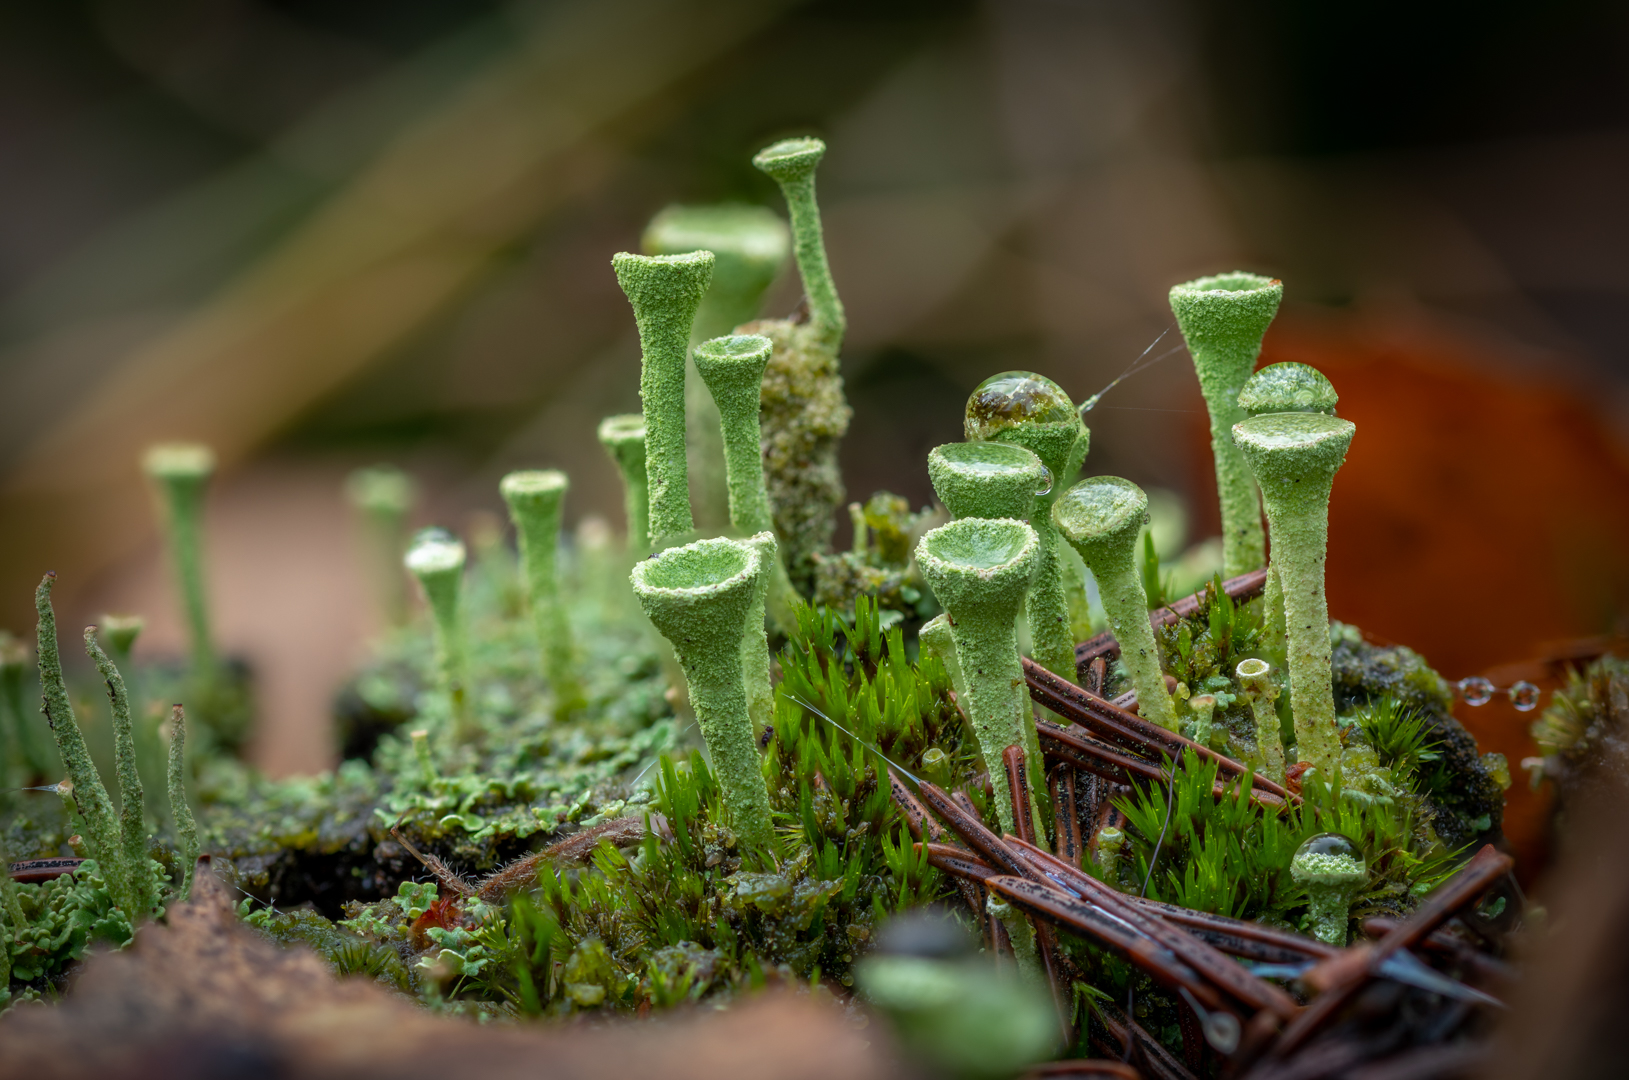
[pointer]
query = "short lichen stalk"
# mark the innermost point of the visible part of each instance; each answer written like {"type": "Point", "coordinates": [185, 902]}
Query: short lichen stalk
{"type": "Point", "coordinates": [88, 796]}
{"type": "Point", "coordinates": [181, 472]}
{"type": "Point", "coordinates": [1102, 517]}
{"type": "Point", "coordinates": [186, 829]}
{"type": "Point", "coordinates": [1331, 870]}
{"type": "Point", "coordinates": [1031, 411]}
{"type": "Point", "coordinates": [749, 246]}
{"type": "Point", "coordinates": [936, 638]}
{"type": "Point", "coordinates": [665, 291]}
{"type": "Point", "coordinates": [804, 413]}
{"type": "Point", "coordinates": [535, 499]}
{"type": "Point", "coordinates": [1282, 388]}
{"type": "Point", "coordinates": [383, 497]}
{"type": "Point", "coordinates": [1260, 692]}
{"type": "Point", "coordinates": [436, 558]}
{"type": "Point", "coordinates": [979, 570]}
{"type": "Point", "coordinates": [132, 826]}
{"type": "Point", "coordinates": [623, 437]}
{"type": "Point", "coordinates": [701, 596]}
{"type": "Point", "coordinates": [755, 635]}
{"type": "Point", "coordinates": [1223, 320]}
{"type": "Point", "coordinates": [1294, 457]}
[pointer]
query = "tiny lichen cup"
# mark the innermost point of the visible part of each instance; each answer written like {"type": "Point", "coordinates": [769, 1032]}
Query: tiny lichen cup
{"type": "Point", "coordinates": [733, 369]}
{"type": "Point", "coordinates": [987, 479]}
{"type": "Point", "coordinates": [1331, 870]}
{"type": "Point", "coordinates": [979, 570]}
{"type": "Point", "coordinates": [1031, 411]}
{"type": "Point", "coordinates": [1253, 674]}
{"type": "Point", "coordinates": [623, 437]}
{"type": "Point", "coordinates": [1223, 320]}
{"type": "Point", "coordinates": [436, 558]}
{"type": "Point", "coordinates": [791, 163]}
{"type": "Point", "coordinates": [535, 498]}
{"type": "Point", "coordinates": [1101, 518]}
{"type": "Point", "coordinates": [1295, 457]}
{"type": "Point", "coordinates": [181, 473]}
{"type": "Point", "coordinates": [700, 597]}
{"type": "Point", "coordinates": [383, 496]}
{"type": "Point", "coordinates": [665, 291]}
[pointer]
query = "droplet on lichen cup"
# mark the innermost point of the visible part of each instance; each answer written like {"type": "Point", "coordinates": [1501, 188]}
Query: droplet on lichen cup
{"type": "Point", "coordinates": [1016, 397]}
{"type": "Point", "coordinates": [1288, 387]}
{"type": "Point", "coordinates": [1331, 868]}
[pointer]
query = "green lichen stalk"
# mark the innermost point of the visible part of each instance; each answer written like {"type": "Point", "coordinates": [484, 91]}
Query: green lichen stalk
{"type": "Point", "coordinates": [1282, 388]}
{"type": "Point", "coordinates": [535, 499]}
{"type": "Point", "coordinates": [132, 826]}
{"type": "Point", "coordinates": [1031, 411]}
{"type": "Point", "coordinates": [749, 245]}
{"type": "Point", "coordinates": [804, 413]}
{"type": "Point", "coordinates": [186, 829]}
{"type": "Point", "coordinates": [665, 291]}
{"type": "Point", "coordinates": [181, 472]}
{"type": "Point", "coordinates": [1294, 457]}
{"type": "Point", "coordinates": [1101, 517]}
{"type": "Point", "coordinates": [88, 797]}
{"type": "Point", "coordinates": [623, 437]}
{"type": "Point", "coordinates": [755, 635]}
{"type": "Point", "coordinates": [383, 496]}
{"type": "Point", "coordinates": [700, 596]}
{"type": "Point", "coordinates": [936, 638]}
{"type": "Point", "coordinates": [1223, 320]}
{"type": "Point", "coordinates": [980, 569]}
{"type": "Point", "coordinates": [1260, 692]}
{"type": "Point", "coordinates": [436, 559]}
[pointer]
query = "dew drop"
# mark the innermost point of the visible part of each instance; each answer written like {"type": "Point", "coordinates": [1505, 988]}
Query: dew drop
{"type": "Point", "coordinates": [1046, 482]}
{"type": "Point", "coordinates": [1015, 397]}
{"type": "Point", "coordinates": [1525, 696]}
{"type": "Point", "coordinates": [1476, 690]}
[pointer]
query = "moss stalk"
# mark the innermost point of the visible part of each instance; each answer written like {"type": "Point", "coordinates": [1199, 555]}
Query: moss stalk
{"type": "Point", "coordinates": [132, 826]}
{"type": "Point", "coordinates": [186, 829]}
{"type": "Point", "coordinates": [1101, 517]}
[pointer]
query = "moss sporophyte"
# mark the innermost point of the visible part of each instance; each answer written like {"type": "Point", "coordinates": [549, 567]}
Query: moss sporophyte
{"type": "Point", "coordinates": [535, 499]}
{"type": "Point", "coordinates": [436, 559]}
{"type": "Point", "coordinates": [1294, 457]}
{"type": "Point", "coordinates": [1223, 320]}
{"type": "Point", "coordinates": [1031, 411]}
{"type": "Point", "coordinates": [623, 437]}
{"type": "Point", "coordinates": [1102, 517]}
{"type": "Point", "coordinates": [665, 291]}
{"type": "Point", "coordinates": [980, 569]}
{"type": "Point", "coordinates": [700, 596]}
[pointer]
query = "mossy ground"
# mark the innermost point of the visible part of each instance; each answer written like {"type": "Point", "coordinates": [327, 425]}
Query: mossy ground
{"type": "Point", "coordinates": [689, 912]}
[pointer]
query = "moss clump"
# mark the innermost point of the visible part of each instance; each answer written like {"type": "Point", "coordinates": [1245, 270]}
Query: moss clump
{"type": "Point", "coordinates": [1584, 732]}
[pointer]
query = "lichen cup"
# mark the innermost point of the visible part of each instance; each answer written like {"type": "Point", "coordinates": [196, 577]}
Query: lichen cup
{"type": "Point", "coordinates": [1101, 518]}
{"type": "Point", "coordinates": [700, 596]}
{"type": "Point", "coordinates": [536, 498]}
{"type": "Point", "coordinates": [980, 569]}
{"type": "Point", "coordinates": [623, 437]}
{"type": "Point", "coordinates": [987, 479]}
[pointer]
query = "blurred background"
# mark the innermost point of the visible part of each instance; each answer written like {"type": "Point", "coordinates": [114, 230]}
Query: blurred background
{"type": "Point", "coordinates": [321, 235]}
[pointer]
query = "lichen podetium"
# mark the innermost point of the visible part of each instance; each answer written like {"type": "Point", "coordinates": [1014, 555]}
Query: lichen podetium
{"type": "Point", "coordinates": [181, 472]}
{"type": "Point", "coordinates": [980, 569]}
{"type": "Point", "coordinates": [750, 245]}
{"type": "Point", "coordinates": [1101, 517]}
{"type": "Point", "coordinates": [535, 498]}
{"type": "Point", "coordinates": [1223, 320]}
{"type": "Point", "coordinates": [701, 596]}
{"type": "Point", "coordinates": [665, 291]}
{"type": "Point", "coordinates": [1294, 457]}
{"type": "Point", "coordinates": [436, 558]}
{"type": "Point", "coordinates": [804, 413]}
{"type": "Point", "coordinates": [1032, 411]}
{"type": "Point", "coordinates": [623, 437]}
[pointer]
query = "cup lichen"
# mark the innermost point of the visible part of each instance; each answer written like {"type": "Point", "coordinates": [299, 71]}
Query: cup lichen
{"type": "Point", "coordinates": [979, 570]}
{"type": "Point", "coordinates": [1101, 518]}
{"type": "Point", "coordinates": [436, 558]}
{"type": "Point", "coordinates": [700, 596]}
{"type": "Point", "coordinates": [1331, 869]}
{"type": "Point", "coordinates": [1254, 677]}
{"type": "Point", "coordinates": [181, 472]}
{"type": "Point", "coordinates": [665, 291]}
{"type": "Point", "coordinates": [535, 498]}
{"type": "Point", "coordinates": [383, 496]}
{"type": "Point", "coordinates": [1223, 320]}
{"type": "Point", "coordinates": [1294, 457]}
{"type": "Point", "coordinates": [623, 437]}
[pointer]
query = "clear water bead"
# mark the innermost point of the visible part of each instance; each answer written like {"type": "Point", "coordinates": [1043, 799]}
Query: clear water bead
{"type": "Point", "coordinates": [1476, 691]}
{"type": "Point", "coordinates": [1046, 483]}
{"type": "Point", "coordinates": [1016, 397]}
{"type": "Point", "coordinates": [1525, 696]}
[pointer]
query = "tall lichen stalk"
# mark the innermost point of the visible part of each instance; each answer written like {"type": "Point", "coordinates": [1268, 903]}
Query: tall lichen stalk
{"type": "Point", "coordinates": [664, 291]}
{"type": "Point", "coordinates": [535, 498]}
{"type": "Point", "coordinates": [181, 473]}
{"type": "Point", "coordinates": [804, 413]}
{"type": "Point", "coordinates": [1223, 319]}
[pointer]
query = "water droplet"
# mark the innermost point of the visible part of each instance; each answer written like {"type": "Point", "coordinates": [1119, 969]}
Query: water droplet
{"type": "Point", "coordinates": [1525, 696]}
{"type": "Point", "coordinates": [1332, 844]}
{"type": "Point", "coordinates": [1046, 483]}
{"type": "Point", "coordinates": [1476, 690]}
{"type": "Point", "coordinates": [1016, 397]}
